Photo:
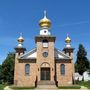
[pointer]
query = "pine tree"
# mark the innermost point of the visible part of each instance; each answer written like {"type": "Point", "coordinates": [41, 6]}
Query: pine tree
{"type": "Point", "coordinates": [82, 63]}
{"type": "Point", "coordinates": [8, 68]}
{"type": "Point", "coordinates": [0, 73]}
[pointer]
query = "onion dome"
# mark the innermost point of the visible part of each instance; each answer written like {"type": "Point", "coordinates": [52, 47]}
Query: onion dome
{"type": "Point", "coordinates": [45, 22]}
{"type": "Point", "coordinates": [20, 39]}
{"type": "Point", "coordinates": [67, 40]}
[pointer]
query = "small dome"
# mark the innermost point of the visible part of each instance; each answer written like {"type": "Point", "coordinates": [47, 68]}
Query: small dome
{"type": "Point", "coordinates": [20, 39]}
{"type": "Point", "coordinates": [68, 40]}
{"type": "Point", "coordinates": [45, 22]}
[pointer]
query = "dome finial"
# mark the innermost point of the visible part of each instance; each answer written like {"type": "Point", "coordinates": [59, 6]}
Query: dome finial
{"type": "Point", "coordinates": [20, 33]}
{"type": "Point", "coordinates": [68, 41]}
{"type": "Point", "coordinates": [20, 40]}
{"type": "Point", "coordinates": [45, 13]}
{"type": "Point", "coordinates": [67, 34]}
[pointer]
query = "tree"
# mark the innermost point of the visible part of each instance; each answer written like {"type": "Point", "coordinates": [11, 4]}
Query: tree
{"type": "Point", "coordinates": [8, 68]}
{"type": "Point", "coordinates": [82, 63]}
{"type": "Point", "coordinates": [0, 73]}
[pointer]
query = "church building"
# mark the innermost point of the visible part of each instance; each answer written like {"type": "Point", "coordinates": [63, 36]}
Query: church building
{"type": "Point", "coordinates": [45, 64]}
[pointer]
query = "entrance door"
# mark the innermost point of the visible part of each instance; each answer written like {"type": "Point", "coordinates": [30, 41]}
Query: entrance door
{"type": "Point", "coordinates": [45, 73]}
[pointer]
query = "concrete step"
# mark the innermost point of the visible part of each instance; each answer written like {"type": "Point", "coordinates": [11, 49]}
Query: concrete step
{"type": "Point", "coordinates": [45, 83]}
{"type": "Point", "coordinates": [46, 87]}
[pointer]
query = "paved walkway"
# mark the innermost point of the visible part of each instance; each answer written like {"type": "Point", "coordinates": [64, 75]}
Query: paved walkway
{"type": "Point", "coordinates": [48, 87]}
{"type": "Point", "coordinates": [82, 88]}
{"type": "Point", "coordinates": [7, 88]}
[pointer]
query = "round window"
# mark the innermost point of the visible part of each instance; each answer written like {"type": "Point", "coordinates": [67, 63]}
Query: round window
{"type": "Point", "coordinates": [45, 31]}
{"type": "Point", "coordinates": [45, 54]}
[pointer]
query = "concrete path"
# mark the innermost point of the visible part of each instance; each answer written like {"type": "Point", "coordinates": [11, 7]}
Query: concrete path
{"type": "Point", "coordinates": [84, 88]}
{"type": "Point", "coordinates": [48, 88]}
{"type": "Point", "coordinates": [7, 88]}
{"type": "Point", "coordinates": [52, 88]}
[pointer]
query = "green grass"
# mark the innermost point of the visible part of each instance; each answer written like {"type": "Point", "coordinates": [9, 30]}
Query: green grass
{"type": "Point", "coordinates": [86, 84]}
{"type": "Point", "coordinates": [2, 86]}
{"type": "Point", "coordinates": [22, 88]}
{"type": "Point", "coordinates": [69, 87]}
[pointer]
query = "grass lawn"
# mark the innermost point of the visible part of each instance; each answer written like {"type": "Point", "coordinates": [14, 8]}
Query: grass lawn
{"type": "Point", "coordinates": [86, 84]}
{"type": "Point", "coordinates": [22, 88]}
{"type": "Point", "coordinates": [69, 87]}
{"type": "Point", "coordinates": [2, 86]}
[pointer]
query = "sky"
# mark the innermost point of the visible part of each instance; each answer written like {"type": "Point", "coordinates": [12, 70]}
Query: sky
{"type": "Point", "coordinates": [67, 16]}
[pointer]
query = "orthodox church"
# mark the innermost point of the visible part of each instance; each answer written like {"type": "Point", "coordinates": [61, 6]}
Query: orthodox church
{"type": "Point", "coordinates": [45, 64]}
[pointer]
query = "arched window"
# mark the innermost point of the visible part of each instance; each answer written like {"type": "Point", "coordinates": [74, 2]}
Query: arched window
{"type": "Point", "coordinates": [62, 69]}
{"type": "Point", "coordinates": [45, 42]}
{"type": "Point", "coordinates": [27, 69]}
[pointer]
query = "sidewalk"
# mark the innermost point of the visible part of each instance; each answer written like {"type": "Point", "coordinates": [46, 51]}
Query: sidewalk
{"type": "Point", "coordinates": [48, 88]}
{"type": "Point", "coordinates": [82, 88]}
{"type": "Point", "coordinates": [7, 88]}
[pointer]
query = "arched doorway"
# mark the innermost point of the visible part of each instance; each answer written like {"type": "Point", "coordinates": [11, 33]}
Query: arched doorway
{"type": "Point", "coordinates": [45, 71]}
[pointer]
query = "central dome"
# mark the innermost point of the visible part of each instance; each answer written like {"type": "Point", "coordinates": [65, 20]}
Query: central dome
{"type": "Point", "coordinates": [45, 22]}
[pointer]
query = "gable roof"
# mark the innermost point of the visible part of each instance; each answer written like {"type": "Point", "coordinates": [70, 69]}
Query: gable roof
{"type": "Point", "coordinates": [29, 55]}
{"type": "Point", "coordinates": [33, 54]}
{"type": "Point", "coordinates": [60, 54]}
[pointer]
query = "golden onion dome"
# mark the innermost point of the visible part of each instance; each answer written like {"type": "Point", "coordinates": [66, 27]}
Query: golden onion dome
{"type": "Point", "coordinates": [20, 39]}
{"type": "Point", "coordinates": [67, 40]}
{"type": "Point", "coordinates": [45, 22]}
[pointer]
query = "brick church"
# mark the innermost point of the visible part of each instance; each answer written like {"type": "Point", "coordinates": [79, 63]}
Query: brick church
{"type": "Point", "coordinates": [45, 63]}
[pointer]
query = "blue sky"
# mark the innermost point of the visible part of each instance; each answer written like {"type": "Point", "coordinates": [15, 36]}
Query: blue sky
{"type": "Point", "coordinates": [67, 16]}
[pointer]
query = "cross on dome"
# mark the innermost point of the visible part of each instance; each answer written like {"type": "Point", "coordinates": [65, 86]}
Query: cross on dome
{"type": "Point", "coordinates": [45, 13]}
{"type": "Point", "coordinates": [20, 33]}
{"type": "Point", "coordinates": [67, 34]}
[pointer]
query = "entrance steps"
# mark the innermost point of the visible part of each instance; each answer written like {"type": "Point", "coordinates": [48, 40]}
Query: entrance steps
{"type": "Point", "coordinates": [46, 85]}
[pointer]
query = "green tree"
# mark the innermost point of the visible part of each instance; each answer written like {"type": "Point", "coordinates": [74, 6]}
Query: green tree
{"type": "Point", "coordinates": [8, 68]}
{"type": "Point", "coordinates": [82, 63]}
{"type": "Point", "coordinates": [0, 73]}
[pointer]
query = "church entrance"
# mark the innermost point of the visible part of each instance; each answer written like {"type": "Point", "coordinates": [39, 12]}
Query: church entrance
{"type": "Point", "coordinates": [45, 73]}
